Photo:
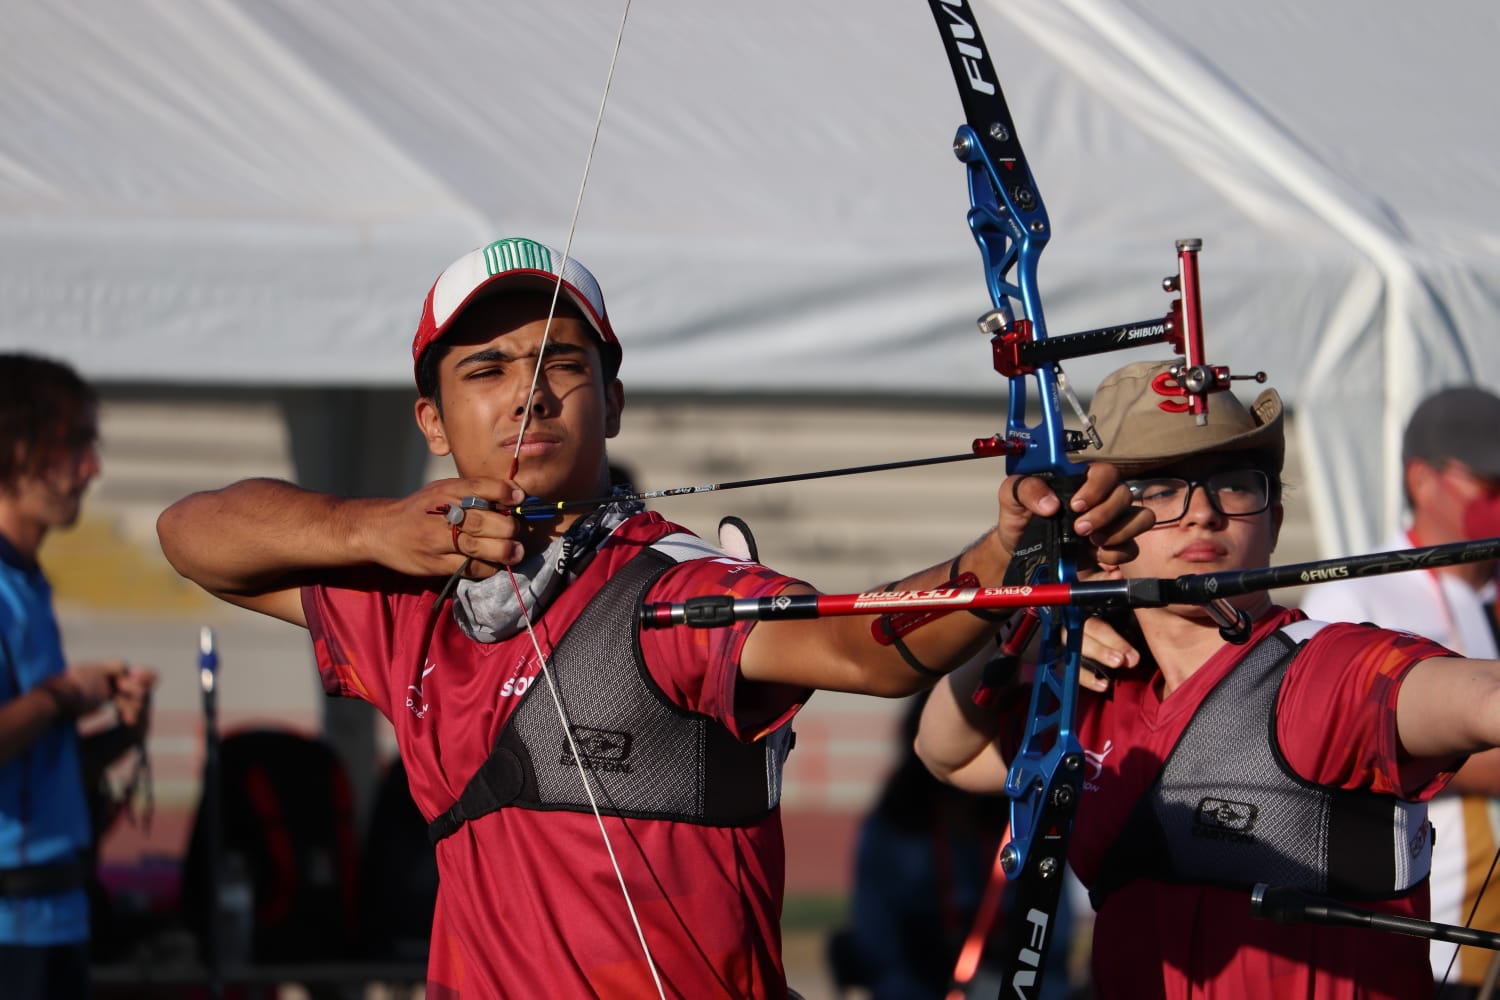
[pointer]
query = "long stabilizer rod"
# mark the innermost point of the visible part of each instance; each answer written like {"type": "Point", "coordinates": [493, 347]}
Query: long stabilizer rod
{"type": "Point", "coordinates": [1199, 588]}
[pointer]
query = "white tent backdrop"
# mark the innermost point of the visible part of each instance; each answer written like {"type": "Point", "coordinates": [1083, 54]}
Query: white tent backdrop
{"type": "Point", "coordinates": [261, 191]}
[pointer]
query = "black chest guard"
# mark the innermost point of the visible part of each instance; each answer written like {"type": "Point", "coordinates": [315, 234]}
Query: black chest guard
{"type": "Point", "coordinates": [1228, 810]}
{"type": "Point", "coordinates": [646, 757]}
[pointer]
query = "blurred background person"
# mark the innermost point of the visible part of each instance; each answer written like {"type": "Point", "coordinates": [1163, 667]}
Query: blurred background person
{"type": "Point", "coordinates": [1450, 457]}
{"type": "Point", "coordinates": [48, 456]}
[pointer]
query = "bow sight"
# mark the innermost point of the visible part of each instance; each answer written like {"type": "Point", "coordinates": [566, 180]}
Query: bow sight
{"type": "Point", "coordinates": [1018, 351]}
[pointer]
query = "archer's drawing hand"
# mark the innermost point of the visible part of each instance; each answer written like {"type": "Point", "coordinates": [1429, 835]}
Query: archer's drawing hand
{"type": "Point", "coordinates": [424, 535]}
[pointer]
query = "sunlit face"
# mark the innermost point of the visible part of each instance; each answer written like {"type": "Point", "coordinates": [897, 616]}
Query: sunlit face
{"type": "Point", "coordinates": [1204, 540]}
{"type": "Point", "coordinates": [486, 385]}
{"type": "Point", "coordinates": [52, 496]}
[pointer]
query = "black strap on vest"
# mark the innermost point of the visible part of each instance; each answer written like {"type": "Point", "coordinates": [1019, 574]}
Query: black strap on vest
{"type": "Point", "coordinates": [495, 785]}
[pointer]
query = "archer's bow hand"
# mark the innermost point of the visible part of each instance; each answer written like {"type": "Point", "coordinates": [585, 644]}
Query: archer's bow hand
{"type": "Point", "coordinates": [1101, 506]}
{"type": "Point", "coordinates": [1105, 651]}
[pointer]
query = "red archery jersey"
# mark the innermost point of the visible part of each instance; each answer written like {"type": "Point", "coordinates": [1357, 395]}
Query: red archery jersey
{"type": "Point", "coordinates": [529, 903]}
{"type": "Point", "coordinates": [1335, 725]}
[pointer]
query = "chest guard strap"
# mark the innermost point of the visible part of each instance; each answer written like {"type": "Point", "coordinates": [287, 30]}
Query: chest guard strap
{"type": "Point", "coordinates": [1227, 808]}
{"type": "Point", "coordinates": [646, 757]}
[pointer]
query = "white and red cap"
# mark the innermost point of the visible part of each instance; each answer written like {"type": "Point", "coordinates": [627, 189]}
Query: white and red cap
{"type": "Point", "coordinates": [515, 263]}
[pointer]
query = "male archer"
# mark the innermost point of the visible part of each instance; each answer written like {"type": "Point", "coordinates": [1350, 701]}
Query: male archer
{"type": "Point", "coordinates": [676, 736]}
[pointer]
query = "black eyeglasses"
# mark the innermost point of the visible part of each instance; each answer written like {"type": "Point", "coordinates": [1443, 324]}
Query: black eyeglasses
{"type": "Point", "coordinates": [1231, 492]}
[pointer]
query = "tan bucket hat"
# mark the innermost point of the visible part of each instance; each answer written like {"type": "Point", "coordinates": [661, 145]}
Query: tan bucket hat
{"type": "Point", "coordinates": [1142, 416]}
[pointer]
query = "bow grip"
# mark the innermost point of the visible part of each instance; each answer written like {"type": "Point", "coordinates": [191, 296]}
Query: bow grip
{"type": "Point", "coordinates": [1046, 541]}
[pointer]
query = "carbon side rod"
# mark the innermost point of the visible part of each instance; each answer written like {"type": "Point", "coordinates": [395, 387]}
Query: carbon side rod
{"type": "Point", "coordinates": [1201, 588]}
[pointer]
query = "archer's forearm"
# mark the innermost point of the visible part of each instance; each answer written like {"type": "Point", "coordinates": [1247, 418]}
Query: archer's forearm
{"type": "Point", "coordinates": [889, 656]}
{"type": "Point", "coordinates": [956, 738]}
{"type": "Point", "coordinates": [259, 535]}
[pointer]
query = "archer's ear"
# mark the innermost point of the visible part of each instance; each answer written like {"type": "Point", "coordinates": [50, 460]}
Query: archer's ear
{"type": "Point", "coordinates": [430, 420]}
{"type": "Point", "coordinates": [1278, 515]}
{"type": "Point", "coordinates": [1418, 476]}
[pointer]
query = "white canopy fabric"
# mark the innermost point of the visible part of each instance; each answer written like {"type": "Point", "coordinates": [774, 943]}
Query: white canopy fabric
{"type": "Point", "coordinates": [262, 191]}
